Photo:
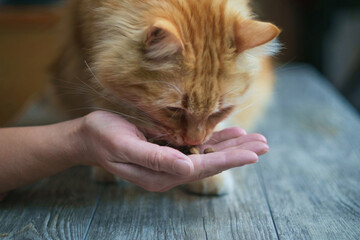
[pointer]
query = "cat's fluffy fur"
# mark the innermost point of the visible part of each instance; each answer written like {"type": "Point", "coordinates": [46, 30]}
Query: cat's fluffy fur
{"type": "Point", "coordinates": [175, 68]}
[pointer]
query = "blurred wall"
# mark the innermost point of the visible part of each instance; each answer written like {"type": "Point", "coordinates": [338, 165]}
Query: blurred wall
{"type": "Point", "coordinates": [29, 42]}
{"type": "Point", "coordinates": [324, 33]}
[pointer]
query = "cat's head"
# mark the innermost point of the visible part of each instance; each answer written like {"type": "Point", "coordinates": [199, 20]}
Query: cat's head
{"type": "Point", "coordinates": [177, 67]}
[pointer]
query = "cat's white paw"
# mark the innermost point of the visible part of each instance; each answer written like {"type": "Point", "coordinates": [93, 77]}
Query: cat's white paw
{"type": "Point", "coordinates": [220, 184]}
{"type": "Point", "coordinates": [102, 176]}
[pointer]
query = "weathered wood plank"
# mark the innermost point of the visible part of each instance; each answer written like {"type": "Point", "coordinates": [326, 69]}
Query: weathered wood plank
{"type": "Point", "coordinates": [60, 207]}
{"type": "Point", "coordinates": [127, 212]}
{"type": "Point", "coordinates": [310, 179]}
{"type": "Point", "coordinates": [312, 173]}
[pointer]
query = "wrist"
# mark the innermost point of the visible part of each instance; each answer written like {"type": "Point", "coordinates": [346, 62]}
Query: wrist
{"type": "Point", "coordinates": [73, 142]}
{"type": "Point", "coordinates": [83, 144]}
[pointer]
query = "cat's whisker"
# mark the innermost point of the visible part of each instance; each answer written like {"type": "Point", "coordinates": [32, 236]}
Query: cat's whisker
{"type": "Point", "coordinates": [147, 122]}
{"type": "Point", "coordinates": [88, 86]}
{"type": "Point", "coordinates": [94, 90]}
{"type": "Point", "coordinates": [128, 103]}
{"type": "Point", "coordinates": [126, 116]}
{"type": "Point", "coordinates": [92, 73]}
{"type": "Point", "coordinates": [65, 81]}
{"type": "Point", "coordinates": [168, 144]}
{"type": "Point", "coordinates": [158, 137]}
{"type": "Point", "coordinates": [230, 91]}
{"type": "Point", "coordinates": [76, 90]}
{"type": "Point", "coordinates": [74, 85]}
{"type": "Point", "coordinates": [244, 108]}
{"type": "Point", "coordinates": [284, 65]}
{"type": "Point", "coordinates": [258, 92]}
{"type": "Point", "coordinates": [99, 94]}
{"type": "Point", "coordinates": [103, 96]}
{"type": "Point", "coordinates": [73, 89]}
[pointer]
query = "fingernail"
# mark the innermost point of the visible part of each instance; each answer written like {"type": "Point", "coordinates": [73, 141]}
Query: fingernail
{"type": "Point", "coordinates": [182, 167]}
{"type": "Point", "coordinates": [264, 150]}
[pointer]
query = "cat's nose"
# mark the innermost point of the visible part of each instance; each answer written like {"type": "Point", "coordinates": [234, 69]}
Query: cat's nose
{"type": "Point", "coordinates": [193, 141]}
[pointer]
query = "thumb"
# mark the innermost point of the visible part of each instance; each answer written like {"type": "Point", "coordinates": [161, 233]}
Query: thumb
{"type": "Point", "coordinates": [158, 158]}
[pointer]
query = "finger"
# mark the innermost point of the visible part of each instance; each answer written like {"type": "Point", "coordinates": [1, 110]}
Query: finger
{"type": "Point", "coordinates": [155, 157]}
{"type": "Point", "coordinates": [205, 165]}
{"type": "Point", "coordinates": [226, 134]}
{"type": "Point", "coordinates": [213, 163]}
{"type": "Point", "coordinates": [238, 141]}
{"type": "Point", "coordinates": [257, 147]}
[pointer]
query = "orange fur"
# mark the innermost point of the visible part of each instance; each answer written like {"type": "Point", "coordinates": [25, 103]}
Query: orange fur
{"type": "Point", "coordinates": [175, 68]}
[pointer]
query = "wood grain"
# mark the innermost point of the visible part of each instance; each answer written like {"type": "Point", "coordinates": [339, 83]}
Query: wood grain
{"type": "Point", "coordinates": [128, 212]}
{"type": "Point", "coordinates": [306, 187]}
{"type": "Point", "coordinates": [60, 207]}
{"type": "Point", "coordinates": [312, 172]}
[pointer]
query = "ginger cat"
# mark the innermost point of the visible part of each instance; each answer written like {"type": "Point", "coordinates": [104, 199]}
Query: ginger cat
{"type": "Point", "coordinates": [174, 68]}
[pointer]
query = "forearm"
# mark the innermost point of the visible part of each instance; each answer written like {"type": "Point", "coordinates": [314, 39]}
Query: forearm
{"type": "Point", "coordinates": [28, 154]}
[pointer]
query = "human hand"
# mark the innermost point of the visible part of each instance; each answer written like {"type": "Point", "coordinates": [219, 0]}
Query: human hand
{"type": "Point", "coordinates": [118, 146]}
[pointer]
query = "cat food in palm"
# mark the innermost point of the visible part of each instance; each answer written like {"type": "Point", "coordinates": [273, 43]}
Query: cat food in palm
{"type": "Point", "coordinates": [194, 150]}
{"type": "Point", "coordinates": [209, 150]}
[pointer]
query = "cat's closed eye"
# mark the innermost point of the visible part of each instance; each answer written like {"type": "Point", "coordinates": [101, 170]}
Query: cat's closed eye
{"type": "Point", "coordinates": [175, 110]}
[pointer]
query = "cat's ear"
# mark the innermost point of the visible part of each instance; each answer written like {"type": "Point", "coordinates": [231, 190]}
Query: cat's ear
{"type": "Point", "coordinates": [162, 39]}
{"type": "Point", "coordinates": [252, 33]}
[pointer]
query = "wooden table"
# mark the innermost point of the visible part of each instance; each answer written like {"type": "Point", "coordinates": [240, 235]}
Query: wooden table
{"type": "Point", "coordinates": [307, 187]}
